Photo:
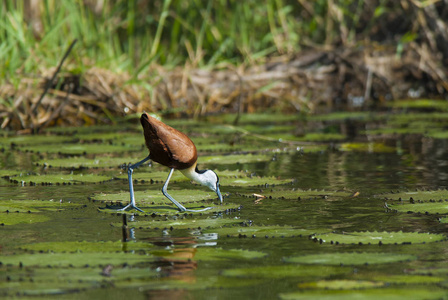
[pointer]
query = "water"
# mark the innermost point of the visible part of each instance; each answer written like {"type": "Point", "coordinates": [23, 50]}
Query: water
{"type": "Point", "coordinates": [167, 255]}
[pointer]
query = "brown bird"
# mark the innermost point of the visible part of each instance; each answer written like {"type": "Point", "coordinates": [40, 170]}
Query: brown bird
{"type": "Point", "coordinates": [171, 148]}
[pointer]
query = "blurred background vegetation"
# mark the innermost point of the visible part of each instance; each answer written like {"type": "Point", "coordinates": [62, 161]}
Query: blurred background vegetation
{"type": "Point", "coordinates": [198, 57]}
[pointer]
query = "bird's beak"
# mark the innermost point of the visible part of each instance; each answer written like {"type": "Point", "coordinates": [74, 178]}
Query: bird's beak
{"type": "Point", "coordinates": [218, 192]}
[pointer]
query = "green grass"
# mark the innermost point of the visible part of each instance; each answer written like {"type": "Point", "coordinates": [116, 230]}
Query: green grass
{"type": "Point", "coordinates": [131, 35]}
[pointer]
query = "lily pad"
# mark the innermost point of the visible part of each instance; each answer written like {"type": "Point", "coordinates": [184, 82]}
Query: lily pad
{"type": "Point", "coordinates": [260, 231]}
{"type": "Point", "coordinates": [155, 197]}
{"type": "Point", "coordinates": [83, 162]}
{"type": "Point", "coordinates": [283, 271]}
{"type": "Point", "coordinates": [344, 284]}
{"type": "Point", "coordinates": [306, 194]}
{"type": "Point", "coordinates": [59, 178]}
{"type": "Point", "coordinates": [182, 223]}
{"type": "Point", "coordinates": [213, 254]}
{"type": "Point", "coordinates": [422, 104]}
{"type": "Point", "coordinates": [79, 149]}
{"type": "Point", "coordinates": [26, 206]}
{"type": "Point", "coordinates": [74, 259]}
{"type": "Point", "coordinates": [13, 218]}
{"type": "Point", "coordinates": [367, 237]}
{"type": "Point", "coordinates": [408, 279]}
{"type": "Point", "coordinates": [367, 147]}
{"type": "Point", "coordinates": [425, 207]}
{"type": "Point", "coordinates": [31, 140]}
{"type": "Point", "coordinates": [367, 294]}
{"type": "Point", "coordinates": [88, 247]}
{"type": "Point", "coordinates": [352, 258]}
{"type": "Point", "coordinates": [416, 195]}
{"type": "Point", "coordinates": [235, 159]}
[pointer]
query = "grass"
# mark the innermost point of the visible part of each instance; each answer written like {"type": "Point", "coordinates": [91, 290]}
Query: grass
{"type": "Point", "coordinates": [150, 52]}
{"type": "Point", "coordinates": [130, 35]}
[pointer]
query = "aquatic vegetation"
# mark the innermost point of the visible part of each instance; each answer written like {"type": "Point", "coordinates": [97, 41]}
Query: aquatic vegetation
{"type": "Point", "coordinates": [299, 214]}
{"type": "Point", "coordinates": [347, 258]}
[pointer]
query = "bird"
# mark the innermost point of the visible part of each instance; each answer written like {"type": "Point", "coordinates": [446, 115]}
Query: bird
{"type": "Point", "coordinates": [175, 150]}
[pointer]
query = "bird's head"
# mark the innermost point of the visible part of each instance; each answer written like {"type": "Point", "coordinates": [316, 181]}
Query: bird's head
{"type": "Point", "coordinates": [210, 180]}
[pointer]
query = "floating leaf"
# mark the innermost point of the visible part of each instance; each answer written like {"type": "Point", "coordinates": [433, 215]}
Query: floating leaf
{"type": "Point", "coordinates": [79, 149]}
{"type": "Point", "coordinates": [83, 162]}
{"type": "Point", "coordinates": [367, 294]}
{"type": "Point", "coordinates": [380, 237]}
{"type": "Point", "coordinates": [59, 178]}
{"type": "Point", "coordinates": [282, 271]}
{"type": "Point", "coordinates": [74, 259]}
{"type": "Point", "coordinates": [352, 258]}
{"type": "Point", "coordinates": [308, 194]}
{"type": "Point", "coordinates": [186, 223]}
{"type": "Point", "coordinates": [261, 231]}
{"type": "Point", "coordinates": [210, 254]}
{"type": "Point", "coordinates": [13, 218]}
{"type": "Point", "coordinates": [152, 197]}
{"type": "Point", "coordinates": [25, 206]}
{"type": "Point", "coordinates": [367, 147]}
{"type": "Point", "coordinates": [421, 104]}
{"type": "Point", "coordinates": [408, 279]}
{"type": "Point", "coordinates": [89, 247]}
{"type": "Point", "coordinates": [425, 207]}
{"type": "Point", "coordinates": [417, 195]}
{"type": "Point", "coordinates": [343, 284]}
{"type": "Point", "coordinates": [235, 159]}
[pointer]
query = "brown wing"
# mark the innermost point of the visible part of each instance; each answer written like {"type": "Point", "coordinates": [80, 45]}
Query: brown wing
{"type": "Point", "coordinates": [166, 145]}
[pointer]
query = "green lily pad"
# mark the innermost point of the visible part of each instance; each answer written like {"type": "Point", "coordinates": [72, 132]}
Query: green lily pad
{"type": "Point", "coordinates": [408, 279]}
{"type": "Point", "coordinates": [213, 254]}
{"type": "Point", "coordinates": [59, 178]}
{"type": "Point", "coordinates": [170, 210]}
{"type": "Point", "coordinates": [83, 162]}
{"type": "Point", "coordinates": [367, 294]}
{"type": "Point", "coordinates": [283, 271]}
{"type": "Point", "coordinates": [425, 207]}
{"type": "Point", "coordinates": [8, 173]}
{"type": "Point", "coordinates": [416, 195]}
{"type": "Point", "coordinates": [235, 159]}
{"type": "Point", "coordinates": [260, 231]}
{"type": "Point", "coordinates": [341, 116]}
{"type": "Point", "coordinates": [308, 194]}
{"type": "Point", "coordinates": [155, 197]}
{"type": "Point", "coordinates": [74, 259]}
{"type": "Point", "coordinates": [182, 223]}
{"type": "Point", "coordinates": [438, 134]}
{"type": "Point", "coordinates": [88, 247]}
{"type": "Point", "coordinates": [79, 149]}
{"type": "Point", "coordinates": [367, 237]}
{"type": "Point", "coordinates": [352, 258]}
{"type": "Point", "coordinates": [367, 147]}
{"type": "Point", "coordinates": [31, 140]}
{"type": "Point", "coordinates": [422, 103]}
{"type": "Point", "coordinates": [25, 206]}
{"type": "Point", "coordinates": [343, 284]}
{"type": "Point", "coordinates": [14, 218]}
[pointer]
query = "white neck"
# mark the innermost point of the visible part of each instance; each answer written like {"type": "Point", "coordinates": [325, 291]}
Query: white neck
{"type": "Point", "coordinates": [192, 174]}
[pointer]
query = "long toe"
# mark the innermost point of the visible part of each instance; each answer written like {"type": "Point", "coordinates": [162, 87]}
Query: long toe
{"type": "Point", "coordinates": [198, 210]}
{"type": "Point", "coordinates": [130, 207]}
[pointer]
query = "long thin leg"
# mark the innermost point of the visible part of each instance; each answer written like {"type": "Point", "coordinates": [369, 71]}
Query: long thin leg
{"type": "Point", "coordinates": [179, 206]}
{"type": "Point", "coordinates": [131, 168]}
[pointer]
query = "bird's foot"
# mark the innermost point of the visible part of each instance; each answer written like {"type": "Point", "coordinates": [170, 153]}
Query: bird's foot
{"type": "Point", "coordinates": [129, 207]}
{"type": "Point", "coordinates": [195, 210]}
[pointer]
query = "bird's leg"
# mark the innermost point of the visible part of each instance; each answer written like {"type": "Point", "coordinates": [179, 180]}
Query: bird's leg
{"type": "Point", "coordinates": [179, 206]}
{"type": "Point", "coordinates": [131, 168]}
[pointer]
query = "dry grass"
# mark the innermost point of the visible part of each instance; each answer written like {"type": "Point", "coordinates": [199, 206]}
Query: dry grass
{"type": "Point", "coordinates": [309, 82]}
